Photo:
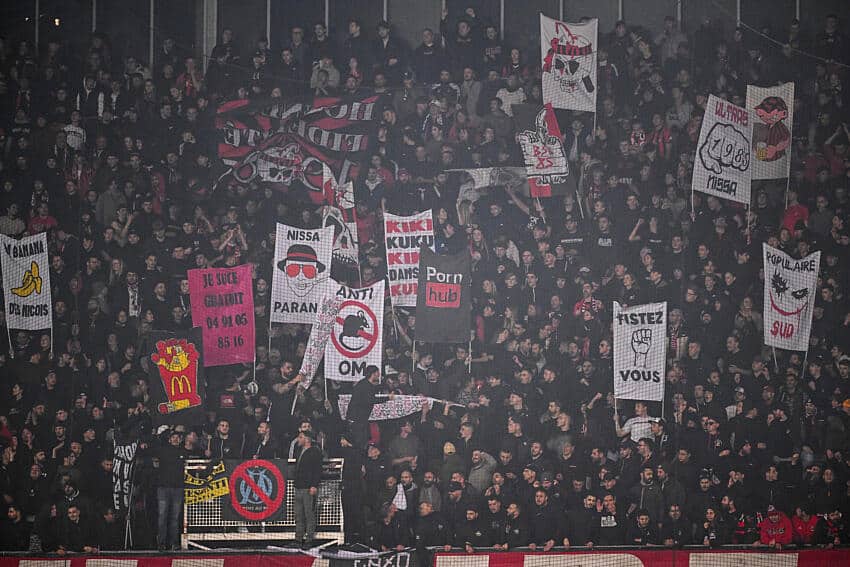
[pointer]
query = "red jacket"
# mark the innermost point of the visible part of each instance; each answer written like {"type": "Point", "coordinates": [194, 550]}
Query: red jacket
{"type": "Point", "coordinates": [804, 531]}
{"type": "Point", "coordinates": [780, 532]}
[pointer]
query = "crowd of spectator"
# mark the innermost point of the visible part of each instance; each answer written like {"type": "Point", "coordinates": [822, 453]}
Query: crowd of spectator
{"type": "Point", "coordinates": [116, 159]}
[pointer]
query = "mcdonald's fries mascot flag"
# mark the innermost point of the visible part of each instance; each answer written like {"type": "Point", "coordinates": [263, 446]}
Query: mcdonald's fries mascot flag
{"type": "Point", "coordinates": [177, 363]}
{"type": "Point", "coordinates": [175, 373]}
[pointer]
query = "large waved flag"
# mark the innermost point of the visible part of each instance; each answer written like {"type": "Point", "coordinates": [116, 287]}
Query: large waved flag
{"type": "Point", "coordinates": [289, 144]}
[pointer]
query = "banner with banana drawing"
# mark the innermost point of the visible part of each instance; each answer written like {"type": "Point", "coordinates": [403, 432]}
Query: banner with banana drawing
{"type": "Point", "coordinates": [26, 282]}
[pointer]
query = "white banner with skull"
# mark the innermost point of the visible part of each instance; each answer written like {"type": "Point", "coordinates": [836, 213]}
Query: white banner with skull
{"type": "Point", "coordinates": [722, 166]}
{"type": "Point", "coordinates": [302, 266]}
{"type": "Point", "coordinates": [357, 335]}
{"type": "Point", "coordinates": [568, 53]}
{"type": "Point", "coordinates": [640, 351]}
{"type": "Point", "coordinates": [790, 287]}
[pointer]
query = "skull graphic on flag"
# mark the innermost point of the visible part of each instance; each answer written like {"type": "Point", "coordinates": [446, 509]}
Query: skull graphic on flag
{"type": "Point", "coordinates": [568, 52]}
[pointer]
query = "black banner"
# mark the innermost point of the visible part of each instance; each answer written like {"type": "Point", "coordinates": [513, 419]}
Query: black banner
{"type": "Point", "coordinates": [175, 377]}
{"type": "Point", "coordinates": [257, 491]}
{"type": "Point", "coordinates": [123, 461]}
{"type": "Point", "coordinates": [444, 297]}
{"type": "Point", "coordinates": [287, 144]}
{"type": "Point", "coordinates": [355, 558]}
{"type": "Point", "coordinates": [207, 484]}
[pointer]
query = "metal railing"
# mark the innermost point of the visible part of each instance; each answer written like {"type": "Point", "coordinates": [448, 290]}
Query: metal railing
{"type": "Point", "coordinates": [203, 521]}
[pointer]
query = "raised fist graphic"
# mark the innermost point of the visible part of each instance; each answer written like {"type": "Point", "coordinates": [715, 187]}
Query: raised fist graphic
{"type": "Point", "coordinates": [641, 341]}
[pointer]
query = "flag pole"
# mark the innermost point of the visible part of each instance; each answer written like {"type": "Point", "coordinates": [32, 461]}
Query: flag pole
{"type": "Point", "coordinates": [578, 200]}
{"type": "Point", "coordinates": [469, 357]}
{"type": "Point", "coordinates": [357, 258]}
{"type": "Point", "coordinates": [294, 401]}
{"type": "Point", "coordinates": [412, 358]}
{"type": "Point", "coordinates": [693, 208]}
{"type": "Point", "coordinates": [775, 361]}
{"type": "Point", "coordinates": [540, 206]}
{"type": "Point", "coordinates": [787, 188]}
{"type": "Point", "coordinates": [270, 333]}
{"type": "Point", "coordinates": [9, 334]}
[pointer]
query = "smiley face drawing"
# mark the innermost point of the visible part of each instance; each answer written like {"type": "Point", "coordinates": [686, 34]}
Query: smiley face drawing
{"type": "Point", "coordinates": [302, 268]}
{"type": "Point", "coordinates": [791, 303]}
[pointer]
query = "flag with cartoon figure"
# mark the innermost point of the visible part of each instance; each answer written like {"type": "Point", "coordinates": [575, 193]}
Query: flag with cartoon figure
{"type": "Point", "coordinates": [302, 265]}
{"type": "Point", "coordinates": [26, 282]}
{"type": "Point", "coordinates": [175, 377]}
{"type": "Point", "coordinates": [773, 120]}
{"type": "Point", "coordinates": [568, 52]}
{"type": "Point", "coordinates": [790, 286]}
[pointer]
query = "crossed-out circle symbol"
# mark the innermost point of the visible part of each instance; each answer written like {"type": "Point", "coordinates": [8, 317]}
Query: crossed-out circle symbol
{"type": "Point", "coordinates": [253, 483]}
{"type": "Point", "coordinates": [370, 336]}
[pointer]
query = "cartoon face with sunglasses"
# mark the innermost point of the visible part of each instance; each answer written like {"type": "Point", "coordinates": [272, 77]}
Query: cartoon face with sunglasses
{"type": "Point", "coordinates": [302, 268]}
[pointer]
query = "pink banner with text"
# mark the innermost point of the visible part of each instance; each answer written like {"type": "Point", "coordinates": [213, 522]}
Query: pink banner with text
{"type": "Point", "coordinates": [223, 306]}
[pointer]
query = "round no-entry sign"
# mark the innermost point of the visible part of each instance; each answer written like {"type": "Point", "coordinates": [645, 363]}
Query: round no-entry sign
{"type": "Point", "coordinates": [355, 331]}
{"type": "Point", "coordinates": [257, 488]}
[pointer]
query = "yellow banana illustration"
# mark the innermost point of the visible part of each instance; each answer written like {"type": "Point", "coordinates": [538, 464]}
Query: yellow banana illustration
{"type": "Point", "coordinates": [31, 283]}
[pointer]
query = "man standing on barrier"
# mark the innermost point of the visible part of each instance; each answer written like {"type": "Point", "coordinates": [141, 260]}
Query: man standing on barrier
{"type": "Point", "coordinates": [308, 476]}
{"type": "Point", "coordinates": [363, 399]}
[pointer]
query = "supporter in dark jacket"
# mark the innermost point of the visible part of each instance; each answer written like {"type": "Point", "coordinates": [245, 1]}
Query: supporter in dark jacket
{"type": "Point", "coordinates": [544, 522]}
{"type": "Point", "coordinates": [642, 530]}
{"type": "Point", "coordinates": [676, 530]}
{"type": "Point", "coordinates": [580, 524]}
{"type": "Point", "coordinates": [473, 533]}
